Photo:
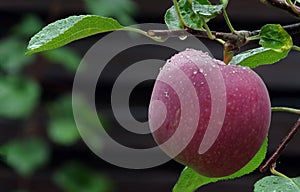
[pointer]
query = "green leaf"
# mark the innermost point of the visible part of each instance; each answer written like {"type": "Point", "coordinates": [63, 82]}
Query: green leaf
{"type": "Point", "coordinates": [258, 56]}
{"type": "Point", "coordinates": [12, 59]}
{"type": "Point", "coordinates": [75, 177]}
{"type": "Point", "coordinates": [276, 183]}
{"type": "Point", "coordinates": [275, 37]}
{"type": "Point", "coordinates": [172, 19]}
{"type": "Point", "coordinates": [190, 18]}
{"type": "Point", "coordinates": [27, 155]}
{"type": "Point", "coordinates": [64, 56]}
{"type": "Point", "coordinates": [18, 96]}
{"type": "Point", "coordinates": [64, 31]}
{"type": "Point", "coordinates": [190, 180]}
{"type": "Point", "coordinates": [122, 10]}
{"type": "Point", "coordinates": [62, 128]}
{"type": "Point", "coordinates": [67, 30]}
{"type": "Point", "coordinates": [192, 14]}
{"type": "Point", "coordinates": [207, 11]}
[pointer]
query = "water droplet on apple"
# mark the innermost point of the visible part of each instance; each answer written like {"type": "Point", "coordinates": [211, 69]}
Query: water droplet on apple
{"type": "Point", "coordinates": [166, 94]}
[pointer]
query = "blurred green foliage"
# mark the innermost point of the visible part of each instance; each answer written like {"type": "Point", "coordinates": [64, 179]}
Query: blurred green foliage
{"type": "Point", "coordinates": [62, 128]}
{"type": "Point", "coordinates": [121, 10]}
{"type": "Point", "coordinates": [76, 177]}
{"type": "Point", "coordinates": [26, 155]}
{"type": "Point", "coordinates": [20, 96]}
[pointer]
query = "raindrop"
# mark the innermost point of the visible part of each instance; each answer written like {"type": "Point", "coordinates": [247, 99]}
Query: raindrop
{"type": "Point", "coordinates": [166, 94]}
{"type": "Point", "coordinates": [182, 37]}
{"type": "Point", "coordinates": [195, 72]}
{"type": "Point", "coordinates": [201, 70]}
{"type": "Point", "coordinates": [160, 69]}
{"type": "Point", "coordinates": [202, 83]}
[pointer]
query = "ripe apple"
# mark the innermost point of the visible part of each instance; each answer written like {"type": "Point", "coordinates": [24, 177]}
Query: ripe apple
{"type": "Point", "coordinates": [208, 115]}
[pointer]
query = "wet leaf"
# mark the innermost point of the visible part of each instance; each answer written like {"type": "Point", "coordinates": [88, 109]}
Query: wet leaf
{"type": "Point", "coordinates": [276, 183]}
{"type": "Point", "coordinates": [190, 180]}
{"type": "Point", "coordinates": [275, 37]}
{"type": "Point", "coordinates": [258, 56]}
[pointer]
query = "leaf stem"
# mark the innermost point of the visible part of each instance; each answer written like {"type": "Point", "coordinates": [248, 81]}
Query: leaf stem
{"type": "Point", "coordinates": [178, 12]}
{"type": "Point", "coordinates": [277, 173]}
{"type": "Point", "coordinates": [273, 158]}
{"type": "Point", "coordinates": [209, 33]}
{"type": "Point", "coordinates": [253, 38]}
{"type": "Point", "coordinates": [139, 31]}
{"type": "Point", "coordinates": [286, 109]}
{"type": "Point", "coordinates": [220, 41]}
{"type": "Point", "coordinates": [296, 48]}
{"type": "Point", "coordinates": [228, 20]}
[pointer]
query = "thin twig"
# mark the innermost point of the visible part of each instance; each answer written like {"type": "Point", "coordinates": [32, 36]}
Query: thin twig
{"type": "Point", "coordinates": [292, 29]}
{"type": "Point", "coordinates": [236, 40]}
{"type": "Point", "coordinates": [283, 5]}
{"type": "Point", "coordinates": [272, 160]}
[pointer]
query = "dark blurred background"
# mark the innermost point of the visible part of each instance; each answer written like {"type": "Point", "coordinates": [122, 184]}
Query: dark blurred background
{"type": "Point", "coordinates": [40, 148]}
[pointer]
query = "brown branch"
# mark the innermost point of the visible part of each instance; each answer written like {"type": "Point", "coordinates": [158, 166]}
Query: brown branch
{"type": "Point", "coordinates": [283, 5]}
{"type": "Point", "coordinates": [234, 41]}
{"type": "Point", "coordinates": [273, 158]}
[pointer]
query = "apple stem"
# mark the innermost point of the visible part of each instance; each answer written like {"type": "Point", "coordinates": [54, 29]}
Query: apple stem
{"type": "Point", "coordinates": [273, 158]}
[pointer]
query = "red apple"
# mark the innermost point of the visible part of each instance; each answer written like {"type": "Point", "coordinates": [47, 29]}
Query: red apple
{"type": "Point", "coordinates": [208, 115]}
